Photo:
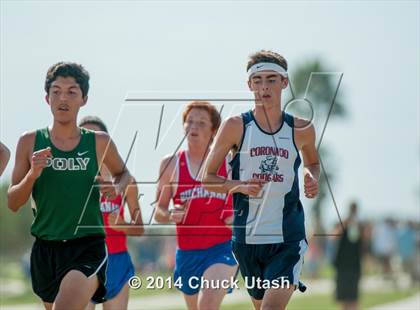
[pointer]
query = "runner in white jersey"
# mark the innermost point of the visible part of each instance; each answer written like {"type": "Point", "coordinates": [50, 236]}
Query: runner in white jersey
{"type": "Point", "coordinates": [267, 144]}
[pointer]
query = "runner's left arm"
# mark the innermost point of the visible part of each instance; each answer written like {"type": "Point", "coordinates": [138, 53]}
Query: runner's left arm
{"type": "Point", "coordinates": [135, 227]}
{"type": "Point", "coordinates": [110, 157]}
{"type": "Point", "coordinates": [227, 213]}
{"type": "Point", "coordinates": [305, 140]}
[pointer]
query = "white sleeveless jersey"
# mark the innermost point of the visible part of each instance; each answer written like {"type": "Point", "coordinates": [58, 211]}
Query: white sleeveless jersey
{"type": "Point", "coordinates": [277, 214]}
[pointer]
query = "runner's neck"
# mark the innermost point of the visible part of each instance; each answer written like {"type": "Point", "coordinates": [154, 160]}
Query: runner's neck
{"type": "Point", "coordinates": [268, 119]}
{"type": "Point", "coordinates": [64, 131]}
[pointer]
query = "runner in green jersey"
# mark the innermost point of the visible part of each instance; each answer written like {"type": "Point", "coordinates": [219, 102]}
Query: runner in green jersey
{"type": "Point", "coordinates": [58, 166]}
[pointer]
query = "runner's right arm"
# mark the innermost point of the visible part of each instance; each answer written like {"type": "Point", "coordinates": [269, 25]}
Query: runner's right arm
{"type": "Point", "coordinates": [164, 191]}
{"type": "Point", "coordinates": [132, 200]}
{"type": "Point", "coordinates": [228, 137]}
{"type": "Point", "coordinates": [135, 227]}
{"type": "Point", "coordinates": [25, 171]}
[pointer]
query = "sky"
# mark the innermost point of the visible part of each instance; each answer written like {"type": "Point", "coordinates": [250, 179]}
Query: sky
{"type": "Point", "coordinates": [167, 49]}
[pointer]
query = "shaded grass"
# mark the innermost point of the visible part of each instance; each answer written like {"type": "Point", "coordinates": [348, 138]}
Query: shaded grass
{"type": "Point", "coordinates": [326, 302]}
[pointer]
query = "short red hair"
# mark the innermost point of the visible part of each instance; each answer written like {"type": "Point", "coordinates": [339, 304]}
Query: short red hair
{"type": "Point", "coordinates": [206, 106]}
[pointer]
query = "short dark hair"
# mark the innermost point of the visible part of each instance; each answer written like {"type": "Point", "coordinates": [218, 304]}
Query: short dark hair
{"type": "Point", "coordinates": [93, 120]}
{"type": "Point", "coordinates": [353, 207]}
{"type": "Point", "coordinates": [266, 56]}
{"type": "Point", "coordinates": [68, 69]}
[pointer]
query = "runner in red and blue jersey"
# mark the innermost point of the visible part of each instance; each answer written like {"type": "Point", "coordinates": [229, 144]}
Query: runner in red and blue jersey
{"type": "Point", "coordinates": [120, 268]}
{"type": "Point", "coordinates": [202, 217]}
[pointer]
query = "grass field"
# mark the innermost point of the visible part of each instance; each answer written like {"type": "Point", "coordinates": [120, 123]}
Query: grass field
{"type": "Point", "coordinates": [326, 302]}
{"type": "Point", "coordinates": [27, 296]}
{"type": "Point", "coordinates": [312, 302]}
{"type": "Point", "coordinates": [24, 295]}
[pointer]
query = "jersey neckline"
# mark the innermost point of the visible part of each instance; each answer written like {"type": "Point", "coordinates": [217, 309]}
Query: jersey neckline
{"type": "Point", "coordinates": [187, 160]}
{"type": "Point", "coordinates": [262, 130]}
{"type": "Point", "coordinates": [62, 151]}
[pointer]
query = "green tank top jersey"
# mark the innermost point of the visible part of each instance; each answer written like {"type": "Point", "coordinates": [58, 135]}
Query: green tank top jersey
{"type": "Point", "coordinates": [66, 200]}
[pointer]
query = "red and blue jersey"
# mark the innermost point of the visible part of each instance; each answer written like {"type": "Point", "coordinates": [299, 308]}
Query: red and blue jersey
{"type": "Point", "coordinates": [203, 225]}
{"type": "Point", "coordinates": [116, 241]}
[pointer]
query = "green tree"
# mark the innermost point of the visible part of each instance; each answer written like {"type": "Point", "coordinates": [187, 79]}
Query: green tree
{"type": "Point", "coordinates": [15, 233]}
{"type": "Point", "coordinates": [315, 94]}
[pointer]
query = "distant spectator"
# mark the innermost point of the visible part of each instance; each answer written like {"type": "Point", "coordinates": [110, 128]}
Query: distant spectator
{"type": "Point", "coordinates": [407, 248]}
{"type": "Point", "coordinates": [384, 243]}
{"type": "Point", "coordinates": [348, 260]}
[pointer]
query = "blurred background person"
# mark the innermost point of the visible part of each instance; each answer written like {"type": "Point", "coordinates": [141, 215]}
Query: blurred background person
{"type": "Point", "coordinates": [384, 246]}
{"type": "Point", "coordinates": [4, 157]}
{"type": "Point", "coordinates": [407, 248]}
{"type": "Point", "coordinates": [348, 259]}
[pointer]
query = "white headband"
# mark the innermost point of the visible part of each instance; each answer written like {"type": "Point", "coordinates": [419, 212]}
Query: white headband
{"type": "Point", "coordinates": [264, 66]}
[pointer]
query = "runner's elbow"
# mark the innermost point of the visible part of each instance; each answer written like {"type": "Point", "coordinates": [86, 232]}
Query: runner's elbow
{"type": "Point", "coordinates": [140, 231]}
{"type": "Point", "coordinates": [160, 216]}
{"type": "Point", "coordinates": [12, 205]}
{"type": "Point", "coordinates": [207, 180]}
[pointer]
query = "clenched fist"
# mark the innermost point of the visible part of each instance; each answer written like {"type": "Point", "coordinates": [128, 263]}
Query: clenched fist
{"type": "Point", "coordinates": [310, 186]}
{"type": "Point", "coordinates": [106, 188]}
{"type": "Point", "coordinates": [39, 161]}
